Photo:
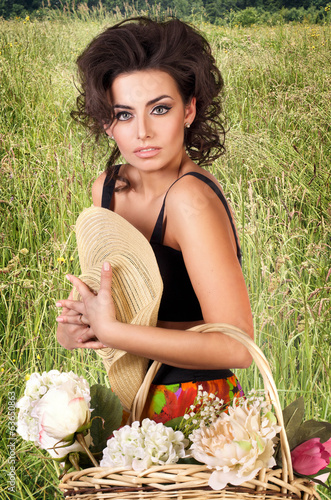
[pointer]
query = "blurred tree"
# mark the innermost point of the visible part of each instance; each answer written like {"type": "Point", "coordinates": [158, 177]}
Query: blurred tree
{"type": "Point", "coordinates": [212, 10]}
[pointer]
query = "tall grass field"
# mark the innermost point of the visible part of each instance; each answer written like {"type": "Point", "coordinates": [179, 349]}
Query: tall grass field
{"type": "Point", "coordinates": [276, 174]}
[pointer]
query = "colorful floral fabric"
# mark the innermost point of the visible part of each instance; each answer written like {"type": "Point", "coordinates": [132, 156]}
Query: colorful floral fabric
{"type": "Point", "coordinates": [165, 402]}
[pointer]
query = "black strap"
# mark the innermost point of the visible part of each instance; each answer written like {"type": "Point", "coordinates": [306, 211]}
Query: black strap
{"type": "Point", "coordinates": [108, 188]}
{"type": "Point", "coordinates": [157, 235]}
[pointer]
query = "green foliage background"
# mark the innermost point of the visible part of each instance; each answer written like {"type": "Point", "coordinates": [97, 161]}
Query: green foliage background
{"type": "Point", "coordinates": [276, 174]}
{"type": "Point", "coordinates": [215, 11]}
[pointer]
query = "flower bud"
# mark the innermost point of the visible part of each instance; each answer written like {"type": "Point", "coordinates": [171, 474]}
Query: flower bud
{"type": "Point", "coordinates": [311, 456]}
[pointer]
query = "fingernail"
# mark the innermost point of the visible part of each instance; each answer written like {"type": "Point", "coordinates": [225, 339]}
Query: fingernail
{"type": "Point", "coordinates": [80, 341]}
{"type": "Point", "coordinates": [106, 266]}
{"type": "Point", "coordinates": [59, 319]}
{"type": "Point", "coordinates": [58, 304]}
{"type": "Point", "coordinates": [68, 277]}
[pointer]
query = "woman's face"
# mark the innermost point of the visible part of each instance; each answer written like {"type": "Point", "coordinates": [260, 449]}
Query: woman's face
{"type": "Point", "coordinates": [149, 119]}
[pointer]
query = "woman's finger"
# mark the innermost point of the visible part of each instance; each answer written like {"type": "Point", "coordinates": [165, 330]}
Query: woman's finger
{"type": "Point", "coordinates": [89, 340]}
{"type": "Point", "coordinates": [106, 277]}
{"type": "Point", "coordinates": [73, 305]}
{"type": "Point", "coordinates": [91, 344]}
{"type": "Point", "coordinates": [81, 288]}
{"type": "Point", "coordinates": [87, 336]}
{"type": "Point", "coordinates": [69, 312]}
{"type": "Point", "coordinates": [73, 319]}
{"type": "Point", "coordinates": [60, 303]}
{"type": "Point", "coordinates": [83, 321]}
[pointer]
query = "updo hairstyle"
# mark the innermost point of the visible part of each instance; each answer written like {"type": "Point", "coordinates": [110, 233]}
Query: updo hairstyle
{"type": "Point", "coordinates": [143, 44]}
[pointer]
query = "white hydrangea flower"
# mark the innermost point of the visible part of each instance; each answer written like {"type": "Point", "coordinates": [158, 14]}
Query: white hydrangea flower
{"type": "Point", "coordinates": [125, 447]}
{"type": "Point", "coordinates": [163, 445]}
{"type": "Point", "coordinates": [139, 447]}
{"type": "Point", "coordinates": [36, 387]}
{"type": "Point", "coordinates": [238, 444]}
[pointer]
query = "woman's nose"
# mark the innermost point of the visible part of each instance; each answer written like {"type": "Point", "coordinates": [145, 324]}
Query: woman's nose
{"type": "Point", "coordinates": [144, 129]}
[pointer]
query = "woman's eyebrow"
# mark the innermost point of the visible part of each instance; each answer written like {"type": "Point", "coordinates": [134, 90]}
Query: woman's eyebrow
{"type": "Point", "coordinates": [149, 103]}
{"type": "Point", "coordinates": [153, 101]}
{"type": "Point", "coordinates": [122, 106]}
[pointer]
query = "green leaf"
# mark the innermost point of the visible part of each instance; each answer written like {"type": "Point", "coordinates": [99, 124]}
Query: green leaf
{"type": "Point", "coordinates": [106, 405]}
{"type": "Point", "coordinates": [174, 423]}
{"type": "Point", "coordinates": [189, 460]}
{"type": "Point", "coordinates": [293, 415]}
{"type": "Point", "coordinates": [309, 430]}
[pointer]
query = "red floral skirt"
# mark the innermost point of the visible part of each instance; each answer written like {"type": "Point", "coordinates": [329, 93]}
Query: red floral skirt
{"type": "Point", "coordinates": [165, 402]}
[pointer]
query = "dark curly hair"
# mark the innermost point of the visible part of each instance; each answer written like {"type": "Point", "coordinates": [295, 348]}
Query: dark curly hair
{"type": "Point", "coordinates": [143, 44]}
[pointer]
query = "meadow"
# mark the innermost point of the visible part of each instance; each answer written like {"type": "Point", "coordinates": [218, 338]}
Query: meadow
{"type": "Point", "coordinates": [276, 174]}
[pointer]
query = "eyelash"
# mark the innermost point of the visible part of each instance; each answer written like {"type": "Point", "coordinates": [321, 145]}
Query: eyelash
{"type": "Point", "coordinates": [162, 106]}
{"type": "Point", "coordinates": [121, 113]}
{"type": "Point", "coordinates": [159, 106]}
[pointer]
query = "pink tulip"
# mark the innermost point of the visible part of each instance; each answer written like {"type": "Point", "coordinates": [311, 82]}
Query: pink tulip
{"type": "Point", "coordinates": [311, 456]}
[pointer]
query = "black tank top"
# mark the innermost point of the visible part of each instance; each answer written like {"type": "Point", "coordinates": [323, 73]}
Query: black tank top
{"type": "Point", "coordinates": [179, 301]}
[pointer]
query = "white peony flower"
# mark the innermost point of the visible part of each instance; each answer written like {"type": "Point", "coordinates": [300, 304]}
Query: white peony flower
{"type": "Point", "coordinates": [139, 447]}
{"type": "Point", "coordinates": [61, 412]}
{"type": "Point", "coordinates": [36, 389]}
{"type": "Point", "coordinates": [238, 444]}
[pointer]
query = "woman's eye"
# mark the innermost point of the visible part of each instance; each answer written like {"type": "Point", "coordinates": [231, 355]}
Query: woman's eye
{"type": "Point", "coordinates": [123, 116]}
{"type": "Point", "coordinates": [160, 110]}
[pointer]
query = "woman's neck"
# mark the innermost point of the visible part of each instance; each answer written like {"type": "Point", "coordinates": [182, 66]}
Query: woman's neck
{"type": "Point", "coordinates": [154, 184]}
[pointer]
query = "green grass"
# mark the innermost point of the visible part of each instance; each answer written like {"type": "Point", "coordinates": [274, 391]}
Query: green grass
{"type": "Point", "coordinates": [276, 174]}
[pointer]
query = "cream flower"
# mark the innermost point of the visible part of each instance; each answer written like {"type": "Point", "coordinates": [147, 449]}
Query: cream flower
{"type": "Point", "coordinates": [238, 444]}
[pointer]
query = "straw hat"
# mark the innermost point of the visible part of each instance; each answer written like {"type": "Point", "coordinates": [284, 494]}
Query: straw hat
{"type": "Point", "coordinates": [103, 235]}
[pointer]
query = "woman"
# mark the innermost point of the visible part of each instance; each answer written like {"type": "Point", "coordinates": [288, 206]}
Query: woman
{"type": "Point", "coordinates": [154, 89]}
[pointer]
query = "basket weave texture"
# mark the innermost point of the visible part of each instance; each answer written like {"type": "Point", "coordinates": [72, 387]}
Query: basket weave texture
{"type": "Point", "coordinates": [184, 481]}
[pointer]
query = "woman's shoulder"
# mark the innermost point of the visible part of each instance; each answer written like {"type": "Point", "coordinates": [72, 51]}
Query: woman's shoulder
{"type": "Point", "coordinates": [195, 209]}
{"type": "Point", "coordinates": [195, 187]}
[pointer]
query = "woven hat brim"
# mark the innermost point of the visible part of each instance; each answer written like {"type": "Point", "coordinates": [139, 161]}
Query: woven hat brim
{"type": "Point", "coordinates": [137, 287]}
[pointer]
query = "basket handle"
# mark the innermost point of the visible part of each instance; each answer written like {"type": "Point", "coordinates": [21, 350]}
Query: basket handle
{"type": "Point", "coordinates": [264, 368]}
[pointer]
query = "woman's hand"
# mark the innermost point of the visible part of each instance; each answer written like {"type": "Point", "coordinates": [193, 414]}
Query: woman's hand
{"type": "Point", "coordinates": [80, 321]}
{"type": "Point", "coordinates": [70, 324]}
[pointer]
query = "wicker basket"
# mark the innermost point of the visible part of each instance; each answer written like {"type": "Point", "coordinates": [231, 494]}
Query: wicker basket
{"type": "Point", "coordinates": [182, 481]}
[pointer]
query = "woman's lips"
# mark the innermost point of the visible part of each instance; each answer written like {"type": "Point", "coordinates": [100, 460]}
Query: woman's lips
{"type": "Point", "coordinates": [147, 152]}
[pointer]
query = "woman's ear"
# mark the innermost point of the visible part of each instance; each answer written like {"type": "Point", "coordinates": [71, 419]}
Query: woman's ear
{"type": "Point", "coordinates": [190, 111]}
